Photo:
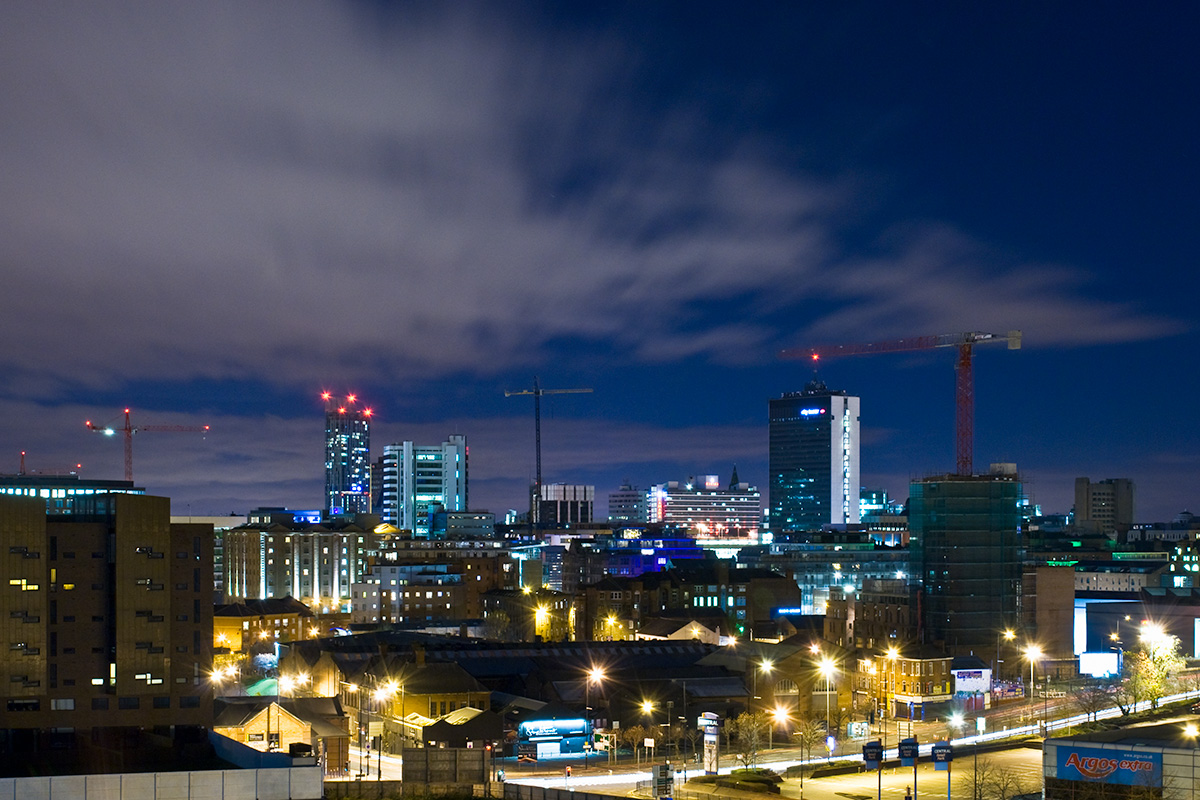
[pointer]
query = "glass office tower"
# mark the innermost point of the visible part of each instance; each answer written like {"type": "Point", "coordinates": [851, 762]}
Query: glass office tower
{"type": "Point", "coordinates": [813, 459]}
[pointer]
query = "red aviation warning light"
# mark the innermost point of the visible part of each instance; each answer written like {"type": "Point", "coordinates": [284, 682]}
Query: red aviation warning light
{"type": "Point", "coordinates": [367, 412]}
{"type": "Point", "coordinates": [325, 395]}
{"type": "Point", "coordinates": [964, 390]}
{"type": "Point", "coordinates": [350, 398]}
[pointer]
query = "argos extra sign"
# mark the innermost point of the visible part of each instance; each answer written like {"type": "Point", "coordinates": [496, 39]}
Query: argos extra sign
{"type": "Point", "coordinates": [1111, 766]}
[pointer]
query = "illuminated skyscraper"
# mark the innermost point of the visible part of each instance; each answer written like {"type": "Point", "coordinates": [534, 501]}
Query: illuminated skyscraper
{"type": "Point", "coordinates": [419, 479]}
{"type": "Point", "coordinates": [813, 459]}
{"type": "Point", "coordinates": [347, 456]}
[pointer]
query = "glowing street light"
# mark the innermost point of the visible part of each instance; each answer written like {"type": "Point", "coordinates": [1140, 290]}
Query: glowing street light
{"type": "Point", "coordinates": [778, 716]}
{"type": "Point", "coordinates": [827, 668]}
{"type": "Point", "coordinates": [595, 674]}
{"type": "Point", "coordinates": [1033, 653]}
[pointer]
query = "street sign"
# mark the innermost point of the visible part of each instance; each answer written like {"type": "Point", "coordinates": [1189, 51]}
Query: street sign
{"type": "Point", "coordinates": [943, 754]}
{"type": "Point", "coordinates": [872, 753]}
{"type": "Point", "coordinates": [909, 752]}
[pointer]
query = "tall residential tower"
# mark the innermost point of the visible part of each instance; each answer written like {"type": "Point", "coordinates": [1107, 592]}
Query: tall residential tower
{"type": "Point", "coordinates": [813, 459]}
{"type": "Point", "coordinates": [347, 456]}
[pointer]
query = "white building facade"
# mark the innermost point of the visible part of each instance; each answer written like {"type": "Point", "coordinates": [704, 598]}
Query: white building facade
{"type": "Point", "coordinates": [418, 478]}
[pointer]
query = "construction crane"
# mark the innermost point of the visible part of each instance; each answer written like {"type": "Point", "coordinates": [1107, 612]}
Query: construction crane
{"type": "Point", "coordinates": [129, 430]}
{"type": "Point", "coordinates": [964, 388]}
{"type": "Point", "coordinates": [64, 471]}
{"type": "Point", "coordinates": [537, 391]}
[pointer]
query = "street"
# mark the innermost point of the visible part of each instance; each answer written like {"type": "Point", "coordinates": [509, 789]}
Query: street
{"type": "Point", "coordinates": [1024, 764]}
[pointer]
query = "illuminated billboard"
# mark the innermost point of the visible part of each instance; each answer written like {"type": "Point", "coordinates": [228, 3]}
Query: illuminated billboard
{"type": "Point", "coordinates": [1110, 766]}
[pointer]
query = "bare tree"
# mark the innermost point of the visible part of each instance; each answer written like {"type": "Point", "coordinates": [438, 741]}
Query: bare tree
{"type": "Point", "coordinates": [1090, 700]}
{"type": "Point", "coordinates": [748, 734]}
{"type": "Point", "coordinates": [808, 734]}
{"type": "Point", "coordinates": [998, 783]}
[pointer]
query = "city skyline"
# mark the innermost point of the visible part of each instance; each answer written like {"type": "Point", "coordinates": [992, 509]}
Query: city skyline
{"type": "Point", "coordinates": [214, 213]}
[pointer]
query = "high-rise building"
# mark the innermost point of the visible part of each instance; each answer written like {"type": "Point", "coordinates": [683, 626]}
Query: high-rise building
{"type": "Point", "coordinates": [108, 619]}
{"type": "Point", "coordinates": [422, 479]}
{"type": "Point", "coordinates": [628, 504]}
{"type": "Point", "coordinates": [347, 456]}
{"type": "Point", "coordinates": [704, 505]}
{"type": "Point", "coordinates": [965, 549]}
{"type": "Point", "coordinates": [813, 459]}
{"type": "Point", "coordinates": [1105, 506]}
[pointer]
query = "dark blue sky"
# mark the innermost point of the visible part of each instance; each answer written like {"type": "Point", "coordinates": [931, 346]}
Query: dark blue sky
{"type": "Point", "coordinates": [211, 213]}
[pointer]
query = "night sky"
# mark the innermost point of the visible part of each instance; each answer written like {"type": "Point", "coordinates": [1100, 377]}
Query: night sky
{"type": "Point", "coordinates": [211, 212]}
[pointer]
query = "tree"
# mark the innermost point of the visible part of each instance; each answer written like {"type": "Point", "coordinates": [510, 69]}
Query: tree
{"type": "Point", "coordinates": [808, 734]}
{"type": "Point", "coordinates": [998, 783]}
{"type": "Point", "coordinates": [1090, 700]}
{"type": "Point", "coordinates": [748, 734]}
{"type": "Point", "coordinates": [1150, 669]}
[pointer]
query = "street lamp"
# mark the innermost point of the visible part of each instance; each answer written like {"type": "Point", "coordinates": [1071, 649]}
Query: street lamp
{"type": "Point", "coordinates": [765, 667]}
{"type": "Point", "coordinates": [778, 716]}
{"type": "Point", "coordinates": [648, 710]}
{"type": "Point", "coordinates": [827, 668]}
{"type": "Point", "coordinates": [1033, 653]}
{"type": "Point", "coordinates": [594, 674]}
{"type": "Point", "coordinates": [1008, 634]}
{"type": "Point", "coordinates": [352, 689]}
{"type": "Point", "coordinates": [382, 694]}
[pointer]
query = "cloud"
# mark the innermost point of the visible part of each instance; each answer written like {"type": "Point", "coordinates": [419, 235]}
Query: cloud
{"type": "Point", "coordinates": [220, 191]}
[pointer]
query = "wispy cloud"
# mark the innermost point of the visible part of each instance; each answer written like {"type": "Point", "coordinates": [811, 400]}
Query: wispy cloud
{"type": "Point", "coordinates": [221, 191]}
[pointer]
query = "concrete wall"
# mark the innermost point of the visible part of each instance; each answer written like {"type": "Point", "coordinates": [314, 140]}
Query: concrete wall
{"type": "Point", "coordinates": [515, 791]}
{"type": "Point", "coordinates": [301, 783]}
{"type": "Point", "coordinates": [430, 765]}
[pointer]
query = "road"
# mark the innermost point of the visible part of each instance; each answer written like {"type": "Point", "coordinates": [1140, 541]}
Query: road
{"type": "Point", "coordinates": [1023, 763]}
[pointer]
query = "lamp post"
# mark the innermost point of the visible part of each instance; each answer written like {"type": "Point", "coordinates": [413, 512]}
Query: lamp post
{"type": "Point", "coordinates": [1033, 653]}
{"type": "Point", "coordinates": [352, 688]}
{"type": "Point", "coordinates": [648, 710]}
{"type": "Point", "coordinates": [764, 666]}
{"type": "Point", "coordinates": [383, 693]}
{"type": "Point", "coordinates": [827, 668]}
{"type": "Point", "coordinates": [1009, 634]}
{"type": "Point", "coordinates": [594, 674]}
{"type": "Point", "coordinates": [779, 715]}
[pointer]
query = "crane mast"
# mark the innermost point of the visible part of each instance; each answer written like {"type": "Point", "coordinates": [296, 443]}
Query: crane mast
{"type": "Point", "coordinates": [129, 430]}
{"type": "Point", "coordinates": [537, 391]}
{"type": "Point", "coordinates": [964, 384]}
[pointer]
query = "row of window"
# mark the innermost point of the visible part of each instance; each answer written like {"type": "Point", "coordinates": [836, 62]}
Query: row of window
{"type": "Point", "coordinates": [100, 703]}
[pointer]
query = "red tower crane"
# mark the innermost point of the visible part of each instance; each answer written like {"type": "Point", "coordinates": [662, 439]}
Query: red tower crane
{"type": "Point", "coordinates": [964, 388]}
{"type": "Point", "coordinates": [129, 430]}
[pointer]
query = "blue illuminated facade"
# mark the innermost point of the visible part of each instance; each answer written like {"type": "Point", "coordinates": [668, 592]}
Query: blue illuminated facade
{"type": "Point", "coordinates": [347, 456]}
